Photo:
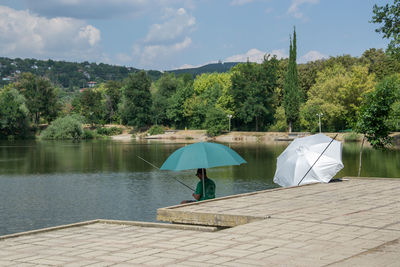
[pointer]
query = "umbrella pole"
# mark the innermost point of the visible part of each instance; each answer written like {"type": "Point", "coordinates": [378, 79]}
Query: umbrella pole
{"type": "Point", "coordinates": [204, 186]}
{"type": "Point", "coordinates": [317, 159]}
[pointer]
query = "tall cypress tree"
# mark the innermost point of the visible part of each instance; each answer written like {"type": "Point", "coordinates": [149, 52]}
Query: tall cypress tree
{"type": "Point", "coordinates": [291, 95]}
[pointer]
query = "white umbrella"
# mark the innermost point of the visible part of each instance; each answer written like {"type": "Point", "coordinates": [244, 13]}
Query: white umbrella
{"type": "Point", "coordinates": [311, 159]}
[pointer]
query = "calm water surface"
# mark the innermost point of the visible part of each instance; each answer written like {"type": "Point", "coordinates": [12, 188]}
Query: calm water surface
{"type": "Point", "coordinates": [46, 184]}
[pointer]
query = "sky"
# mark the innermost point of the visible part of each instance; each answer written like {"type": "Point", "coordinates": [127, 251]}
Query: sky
{"type": "Point", "coordinates": [172, 34]}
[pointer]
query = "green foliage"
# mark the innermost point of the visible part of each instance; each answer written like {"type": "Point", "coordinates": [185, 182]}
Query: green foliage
{"type": "Point", "coordinates": [88, 134]}
{"type": "Point", "coordinates": [109, 130]}
{"type": "Point", "coordinates": [291, 95]}
{"type": "Point", "coordinates": [210, 91]}
{"type": "Point", "coordinates": [357, 84]}
{"type": "Point", "coordinates": [68, 127]}
{"type": "Point", "coordinates": [352, 137]}
{"type": "Point", "coordinates": [307, 74]}
{"type": "Point", "coordinates": [337, 94]}
{"type": "Point", "coordinates": [394, 116]}
{"type": "Point", "coordinates": [216, 121]}
{"type": "Point", "coordinates": [389, 16]}
{"type": "Point", "coordinates": [375, 112]}
{"type": "Point", "coordinates": [92, 106]}
{"type": "Point", "coordinates": [67, 75]}
{"type": "Point", "coordinates": [14, 115]}
{"type": "Point", "coordinates": [166, 86]}
{"type": "Point", "coordinates": [218, 86]}
{"type": "Point", "coordinates": [257, 95]}
{"type": "Point", "coordinates": [380, 63]}
{"type": "Point", "coordinates": [331, 119]}
{"type": "Point", "coordinates": [175, 113]}
{"type": "Point", "coordinates": [253, 86]}
{"type": "Point", "coordinates": [156, 129]}
{"type": "Point", "coordinates": [280, 124]}
{"type": "Point", "coordinates": [41, 97]}
{"type": "Point", "coordinates": [136, 104]}
{"type": "Point", "coordinates": [112, 96]}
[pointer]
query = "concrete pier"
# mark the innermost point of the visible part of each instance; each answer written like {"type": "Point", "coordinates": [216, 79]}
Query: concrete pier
{"type": "Point", "coordinates": [355, 222]}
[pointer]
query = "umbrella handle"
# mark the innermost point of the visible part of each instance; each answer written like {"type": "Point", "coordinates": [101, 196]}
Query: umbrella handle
{"type": "Point", "coordinates": [317, 159]}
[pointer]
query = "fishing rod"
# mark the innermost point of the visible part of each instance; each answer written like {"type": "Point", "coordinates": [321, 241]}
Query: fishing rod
{"type": "Point", "coordinates": [317, 159]}
{"type": "Point", "coordinates": [159, 169]}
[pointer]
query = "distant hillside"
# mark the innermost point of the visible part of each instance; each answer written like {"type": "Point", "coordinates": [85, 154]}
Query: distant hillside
{"type": "Point", "coordinates": [215, 67]}
{"type": "Point", "coordinates": [73, 75]}
{"type": "Point", "coordinates": [65, 74]}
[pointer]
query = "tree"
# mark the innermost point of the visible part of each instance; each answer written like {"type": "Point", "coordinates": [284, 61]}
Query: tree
{"type": "Point", "coordinates": [337, 94]}
{"type": "Point", "coordinates": [207, 82]}
{"type": "Point", "coordinates": [211, 94]}
{"type": "Point", "coordinates": [380, 63]}
{"type": "Point", "coordinates": [389, 16]}
{"type": "Point", "coordinates": [92, 106]}
{"type": "Point", "coordinates": [113, 96]}
{"type": "Point", "coordinates": [41, 97]}
{"type": "Point", "coordinates": [165, 87]}
{"type": "Point", "coordinates": [216, 121]}
{"type": "Point", "coordinates": [375, 112]}
{"type": "Point", "coordinates": [253, 86]}
{"type": "Point", "coordinates": [307, 73]}
{"type": "Point", "coordinates": [357, 84]}
{"type": "Point", "coordinates": [14, 115]}
{"type": "Point", "coordinates": [175, 112]}
{"type": "Point", "coordinates": [291, 95]}
{"type": "Point", "coordinates": [136, 103]}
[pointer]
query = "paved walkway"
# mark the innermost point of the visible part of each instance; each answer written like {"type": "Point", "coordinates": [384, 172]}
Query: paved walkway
{"type": "Point", "coordinates": [350, 223]}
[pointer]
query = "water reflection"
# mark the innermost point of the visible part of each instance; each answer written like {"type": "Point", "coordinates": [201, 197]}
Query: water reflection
{"type": "Point", "coordinates": [51, 183]}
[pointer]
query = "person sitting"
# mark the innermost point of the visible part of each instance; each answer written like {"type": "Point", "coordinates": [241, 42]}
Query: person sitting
{"type": "Point", "coordinates": [209, 187]}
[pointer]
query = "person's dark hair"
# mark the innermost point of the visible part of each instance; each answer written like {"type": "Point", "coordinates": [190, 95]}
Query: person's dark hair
{"type": "Point", "coordinates": [201, 171]}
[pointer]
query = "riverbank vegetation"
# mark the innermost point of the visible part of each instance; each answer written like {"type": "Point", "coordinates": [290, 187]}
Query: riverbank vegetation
{"type": "Point", "coordinates": [275, 95]}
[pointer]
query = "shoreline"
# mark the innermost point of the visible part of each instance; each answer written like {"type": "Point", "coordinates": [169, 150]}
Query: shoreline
{"type": "Point", "coordinates": [234, 137]}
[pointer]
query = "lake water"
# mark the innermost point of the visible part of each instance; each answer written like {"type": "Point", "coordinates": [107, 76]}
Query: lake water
{"type": "Point", "coordinates": [46, 184]}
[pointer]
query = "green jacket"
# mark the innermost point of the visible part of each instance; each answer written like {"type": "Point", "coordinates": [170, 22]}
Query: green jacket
{"type": "Point", "coordinates": [210, 189]}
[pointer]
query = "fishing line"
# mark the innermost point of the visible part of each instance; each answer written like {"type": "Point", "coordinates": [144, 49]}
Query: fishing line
{"type": "Point", "coordinates": [159, 169]}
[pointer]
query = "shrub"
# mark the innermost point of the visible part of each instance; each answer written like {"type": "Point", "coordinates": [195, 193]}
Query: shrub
{"type": "Point", "coordinates": [68, 127]}
{"type": "Point", "coordinates": [156, 129]}
{"type": "Point", "coordinates": [216, 122]}
{"type": "Point", "coordinates": [88, 134]}
{"type": "Point", "coordinates": [280, 124]}
{"type": "Point", "coordinates": [352, 137]}
{"type": "Point", "coordinates": [109, 131]}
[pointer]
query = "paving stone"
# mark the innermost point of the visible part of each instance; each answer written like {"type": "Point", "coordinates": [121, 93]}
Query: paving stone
{"type": "Point", "coordinates": [352, 223]}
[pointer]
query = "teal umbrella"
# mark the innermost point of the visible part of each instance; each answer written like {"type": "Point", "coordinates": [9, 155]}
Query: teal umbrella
{"type": "Point", "coordinates": [202, 155]}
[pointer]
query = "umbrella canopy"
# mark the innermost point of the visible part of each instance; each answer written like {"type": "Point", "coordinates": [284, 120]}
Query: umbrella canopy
{"type": "Point", "coordinates": [311, 159]}
{"type": "Point", "coordinates": [202, 155]}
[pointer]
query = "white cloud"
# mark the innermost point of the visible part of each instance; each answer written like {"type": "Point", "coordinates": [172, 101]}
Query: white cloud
{"type": "Point", "coordinates": [312, 56]}
{"type": "Point", "coordinates": [178, 23]}
{"type": "Point", "coordinates": [255, 55]}
{"type": "Point", "coordinates": [188, 66]}
{"type": "Point", "coordinates": [153, 56]}
{"type": "Point", "coordinates": [24, 34]}
{"type": "Point", "coordinates": [240, 2]}
{"type": "Point", "coordinates": [164, 40]}
{"type": "Point", "coordinates": [294, 8]}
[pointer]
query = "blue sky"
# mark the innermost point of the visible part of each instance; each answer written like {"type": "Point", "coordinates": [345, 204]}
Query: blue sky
{"type": "Point", "coordinates": [171, 34]}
